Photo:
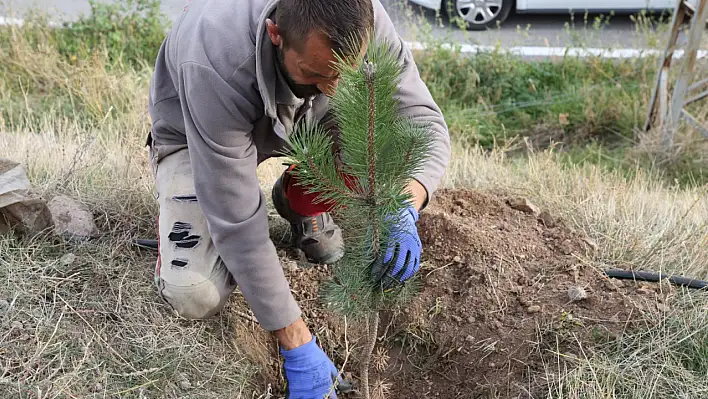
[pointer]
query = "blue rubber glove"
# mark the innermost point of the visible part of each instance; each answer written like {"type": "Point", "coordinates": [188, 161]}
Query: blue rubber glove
{"type": "Point", "coordinates": [309, 373]}
{"type": "Point", "coordinates": [401, 260]}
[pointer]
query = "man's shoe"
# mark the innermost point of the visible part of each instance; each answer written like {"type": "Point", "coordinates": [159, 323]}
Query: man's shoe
{"type": "Point", "coordinates": [317, 236]}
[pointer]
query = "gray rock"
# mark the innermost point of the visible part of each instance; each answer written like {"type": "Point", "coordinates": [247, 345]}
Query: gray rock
{"type": "Point", "coordinates": [21, 208]}
{"type": "Point", "coordinates": [67, 259]}
{"type": "Point", "coordinates": [576, 293]}
{"type": "Point", "coordinates": [533, 309]}
{"type": "Point", "coordinates": [547, 219]}
{"type": "Point", "coordinates": [291, 266]}
{"type": "Point", "coordinates": [72, 219]}
{"type": "Point", "coordinates": [591, 244]}
{"type": "Point", "coordinates": [524, 205]}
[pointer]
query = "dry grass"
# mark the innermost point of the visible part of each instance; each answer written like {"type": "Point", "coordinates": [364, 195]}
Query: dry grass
{"type": "Point", "coordinates": [667, 358]}
{"type": "Point", "coordinates": [637, 223]}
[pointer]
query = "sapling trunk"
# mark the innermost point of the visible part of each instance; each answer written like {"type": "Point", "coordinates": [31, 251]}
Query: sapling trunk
{"type": "Point", "coordinates": [379, 152]}
{"type": "Point", "coordinates": [372, 319]}
{"type": "Point", "coordinates": [372, 329]}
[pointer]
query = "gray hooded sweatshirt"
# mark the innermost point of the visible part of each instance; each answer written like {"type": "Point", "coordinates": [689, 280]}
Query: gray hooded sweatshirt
{"type": "Point", "coordinates": [216, 90]}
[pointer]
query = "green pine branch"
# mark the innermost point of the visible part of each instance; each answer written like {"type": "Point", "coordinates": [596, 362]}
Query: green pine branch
{"type": "Point", "coordinates": [381, 151]}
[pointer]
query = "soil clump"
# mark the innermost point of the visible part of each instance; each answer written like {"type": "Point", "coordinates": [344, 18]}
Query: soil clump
{"type": "Point", "coordinates": [501, 288]}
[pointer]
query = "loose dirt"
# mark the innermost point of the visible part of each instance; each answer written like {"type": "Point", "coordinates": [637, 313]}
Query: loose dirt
{"type": "Point", "coordinates": [501, 291]}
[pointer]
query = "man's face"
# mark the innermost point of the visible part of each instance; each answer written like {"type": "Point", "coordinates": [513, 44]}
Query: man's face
{"type": "Point", "coordinates": [304, 85]}
{"type": "Point", "coordinates": [310, 71]}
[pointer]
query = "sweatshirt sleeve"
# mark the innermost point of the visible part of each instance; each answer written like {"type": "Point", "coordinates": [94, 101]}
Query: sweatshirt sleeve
{"type": "Point", "coordinates": [415, 101]}
{"type": "Point", "coordinates": [223, 154]}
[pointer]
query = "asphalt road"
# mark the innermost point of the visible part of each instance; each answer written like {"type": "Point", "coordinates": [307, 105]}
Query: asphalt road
{"type": "Point", "coordinates": [518, 30]}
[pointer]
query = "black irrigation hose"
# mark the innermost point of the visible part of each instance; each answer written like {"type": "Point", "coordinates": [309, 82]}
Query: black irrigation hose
{"type": "Point", "coordinates": [149, 244]}
{"type": "Point", "coordinates": [649, 276]}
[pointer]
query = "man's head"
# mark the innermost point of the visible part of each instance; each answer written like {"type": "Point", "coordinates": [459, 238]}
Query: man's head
{"type": "Point", "coordinates": [308, 33]}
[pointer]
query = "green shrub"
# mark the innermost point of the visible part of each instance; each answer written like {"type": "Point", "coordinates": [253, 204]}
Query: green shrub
{"type": "Point", "coordinates": [493, 95]}
{"type": "Point", "coordinates": [129, 31]}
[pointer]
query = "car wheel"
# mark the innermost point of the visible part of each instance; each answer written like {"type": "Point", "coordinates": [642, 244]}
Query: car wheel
{"type": "Point", "coordinates": [478, 14]}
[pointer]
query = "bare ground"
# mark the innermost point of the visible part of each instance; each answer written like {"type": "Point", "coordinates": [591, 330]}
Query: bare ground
{"type": "Point", "coordinates": [493, 306]}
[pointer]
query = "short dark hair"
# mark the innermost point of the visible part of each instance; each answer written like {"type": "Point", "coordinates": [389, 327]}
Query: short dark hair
{"type": "Point", "coordinates": [341, 21]}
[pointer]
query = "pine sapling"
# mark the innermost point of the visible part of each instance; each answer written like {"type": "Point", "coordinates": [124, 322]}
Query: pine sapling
{"type": "Point", "coordinates": [365, 177]}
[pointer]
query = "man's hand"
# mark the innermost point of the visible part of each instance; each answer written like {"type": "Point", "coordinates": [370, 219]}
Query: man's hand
{"type": "Point", "coordinates": [309, 373]}
{"type": "Point", "coordinates": [294, 335]}
{"type": "Point", "coordinates": [402, 257]}
{"type": "Point", "coordinates": [418, 192]}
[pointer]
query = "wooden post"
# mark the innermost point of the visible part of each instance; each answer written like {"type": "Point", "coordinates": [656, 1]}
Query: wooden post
{"type": "Point", "coordinates": [664, 112]}
{"type": "Point", "coordinates": [660, 94]}
{"type": "Point", "coordinates": [688, 69]}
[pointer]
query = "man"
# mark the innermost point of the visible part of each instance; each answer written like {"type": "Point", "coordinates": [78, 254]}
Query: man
{"type": "Point", "coordinates": [231, 80]}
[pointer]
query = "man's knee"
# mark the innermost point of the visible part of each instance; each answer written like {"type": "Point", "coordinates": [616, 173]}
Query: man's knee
{"type": "Point", "coordinates": [199, 301]}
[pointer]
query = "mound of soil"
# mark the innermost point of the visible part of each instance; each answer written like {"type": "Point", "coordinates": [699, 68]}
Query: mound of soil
{"type": "Point", "coordinates": [500, 287]}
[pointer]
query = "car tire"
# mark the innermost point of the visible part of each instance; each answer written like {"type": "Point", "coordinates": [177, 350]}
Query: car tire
{"type": "Point", "coordinates": [474, 18]}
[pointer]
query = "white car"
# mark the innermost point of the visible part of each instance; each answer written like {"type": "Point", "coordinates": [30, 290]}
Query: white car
{"type": "Point", "coordinates": [482, 14]}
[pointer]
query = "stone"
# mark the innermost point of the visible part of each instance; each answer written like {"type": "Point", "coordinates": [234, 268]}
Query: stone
{"type": "Point", "coordinates": [471, 319]}
{"type": "Point", "coordinates": [67, 259]}
{"type": "Point", "coordinates": [185, 384]}
{"type": "Point", "coordinates": [291, 266]}
{"type": "Point", "coordinates": [21, 208]}
{"type": "Point", "coordinates": [566, 247]}
{"type": "Point", "coordinates": [576, 293]}
{"type": "Point", "coordinates": [469, 339]}
{"type": "Point", "coordinates": [72, 219]}
{"type": "Point", "coordinates": [662, 307]}
{"type": "Point", "coordinates": [547, 219]}
{"type": "Point", "coordinates": [183, 381]}
{"type": "Point", "coordinates": [98, 387]}
{"type": "Point", "coordinates": [17, 325]}
{"type": "Point", "coordinates": [457, 259]}
{"type": "Point", "coordinates": [4, 304]}
{"type": "Point", "coordinates": [533, 309]}
{"type": "Point", "coordinates": [591, 244]}
{"type": "Point", "coordinates": [524, 205]}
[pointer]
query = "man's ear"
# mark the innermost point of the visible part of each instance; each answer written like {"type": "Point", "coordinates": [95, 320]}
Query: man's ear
{"type": "Point", "coordinates": [273, 32]}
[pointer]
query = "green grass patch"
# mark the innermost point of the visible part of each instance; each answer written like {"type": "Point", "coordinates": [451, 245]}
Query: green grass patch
{"type": "Point", "coordinates": [493, 96]}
